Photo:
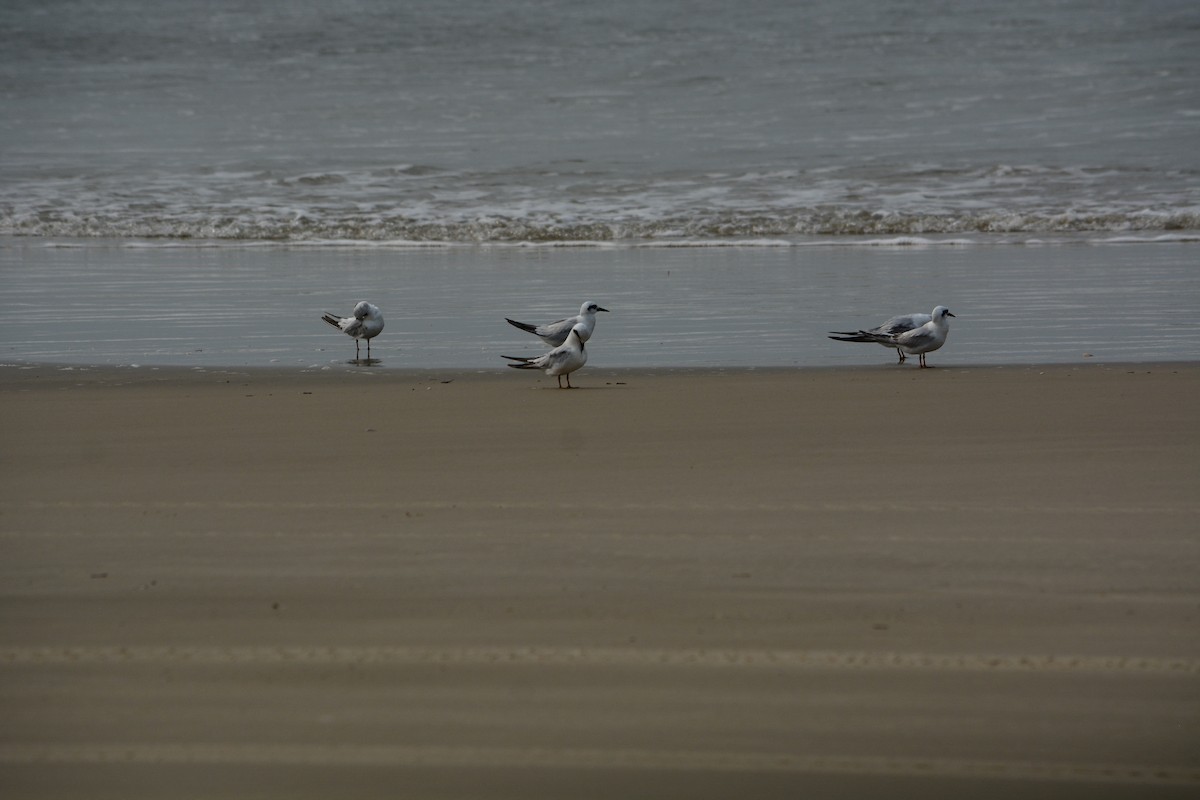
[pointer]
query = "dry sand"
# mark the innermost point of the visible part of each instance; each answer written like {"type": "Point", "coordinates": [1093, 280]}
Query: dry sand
{"type": "Point", "coordinates": [875, 582]}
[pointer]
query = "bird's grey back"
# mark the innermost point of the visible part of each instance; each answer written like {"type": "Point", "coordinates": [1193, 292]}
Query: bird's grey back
{"type": "Point", "coordinates": [902, 324]}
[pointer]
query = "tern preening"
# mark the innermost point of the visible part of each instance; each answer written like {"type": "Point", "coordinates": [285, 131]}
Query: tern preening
{"type": "Point", "coordinates": [555, 333]}
{"type": "Point", "coordinates": [562, 360]}
{"type": "Point", "coordinates": [365, 322]}
{"type": "Point", "coordinates": [916, 341]}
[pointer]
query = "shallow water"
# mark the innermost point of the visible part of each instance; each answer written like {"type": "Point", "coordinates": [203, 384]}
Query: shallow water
{"type": "Point", "coordinates": [112, 303]}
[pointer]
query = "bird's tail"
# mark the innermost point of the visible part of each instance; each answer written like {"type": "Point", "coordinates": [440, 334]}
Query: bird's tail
{"type": "Point", "coordinates": [523, 363]}
{"type": "Point", "coordinates": [853, 336]}
{"type": "Point", "coordinates": [332, 320]}
{"type": "Point", "coordinates": [525, 326]}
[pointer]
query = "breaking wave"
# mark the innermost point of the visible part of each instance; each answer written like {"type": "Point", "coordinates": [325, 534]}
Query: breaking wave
{"type": "Point", "coordinates": [420, 204]}
{"type": "Point", "coordinates": [548, 229]}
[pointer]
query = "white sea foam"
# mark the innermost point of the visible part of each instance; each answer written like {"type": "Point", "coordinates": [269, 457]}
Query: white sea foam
{"type": "Point", "coordinates": [481, 207]}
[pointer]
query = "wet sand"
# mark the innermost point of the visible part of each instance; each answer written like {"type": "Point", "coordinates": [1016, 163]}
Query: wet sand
{"type": "Point", "coordinates": [772, 583]}
{"type": "Point", "coordinates": [701, 307]}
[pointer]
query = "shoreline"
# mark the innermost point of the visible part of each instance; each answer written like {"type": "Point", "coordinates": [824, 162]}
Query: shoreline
{"type": "Point", "coordinates": [1017, 238]}
{"type": "Point", "coordinates": [607, 373]}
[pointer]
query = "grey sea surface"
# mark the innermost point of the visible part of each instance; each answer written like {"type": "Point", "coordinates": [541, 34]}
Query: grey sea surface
{"type": "Point", "coordinates": [563, 120]}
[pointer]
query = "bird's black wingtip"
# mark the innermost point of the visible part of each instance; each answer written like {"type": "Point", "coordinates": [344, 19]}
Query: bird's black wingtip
{"type": "Point", "coordinates": [525, 326]}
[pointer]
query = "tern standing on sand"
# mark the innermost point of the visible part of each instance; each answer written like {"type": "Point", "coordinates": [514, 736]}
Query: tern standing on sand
{"type": "Point", "coordinates": [879, 335]}
{"type": "Point", "coordinates": [555, 333]}
{"type": "Point", "coordinates": [922, 340]}
{"type": "Point", "coordinates": [910, 334]}
{"type": "Point", "coordinates": [365, 323]}
{"type": "Point", "coordinates": [561, 361]}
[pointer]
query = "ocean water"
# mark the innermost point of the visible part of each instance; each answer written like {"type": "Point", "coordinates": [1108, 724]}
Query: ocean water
{"type": "Point", "coordinates": [568, 120]}
{"type": "Point", "coordinates": [194, 182]}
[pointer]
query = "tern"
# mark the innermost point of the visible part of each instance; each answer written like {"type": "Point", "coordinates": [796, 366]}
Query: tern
{"type": "Point", "coordinates": [365, 322]}
{"type": "Point", "coordinates": [562, 360]}
{"type": "Point", "coordinates": [895, 325]}
{"type": "Point", "coordinates": [916, 341]}
{"type": "Point", "coordinates": [555, 333]}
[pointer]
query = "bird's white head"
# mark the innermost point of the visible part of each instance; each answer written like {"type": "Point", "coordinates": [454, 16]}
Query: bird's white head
{"type": "Point", "coordinates": [363, 310]}
{"type": "Point", "coordinates": [940, 313]}
{"type": "Point", "coordinates": [590, 307]}
{"type": "Point", "coordinates": [578, 332]}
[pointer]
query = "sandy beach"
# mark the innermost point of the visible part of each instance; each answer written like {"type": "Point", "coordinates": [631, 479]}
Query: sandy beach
{"type": "Point", "coordinates": [667, 583]}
